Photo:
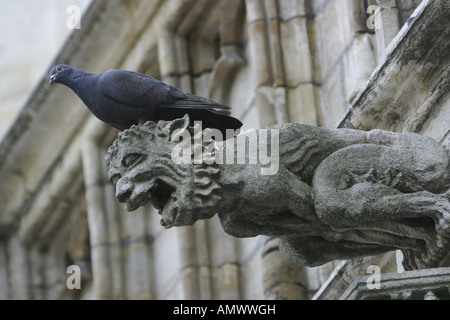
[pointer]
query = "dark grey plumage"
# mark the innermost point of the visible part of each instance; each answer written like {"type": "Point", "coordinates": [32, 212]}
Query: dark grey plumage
{"type": "Point", "coordinates": [123, 98]}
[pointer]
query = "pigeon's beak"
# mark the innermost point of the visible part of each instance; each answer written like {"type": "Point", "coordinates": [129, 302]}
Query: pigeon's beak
{"type": "Point", "coordinates": [52, 79]}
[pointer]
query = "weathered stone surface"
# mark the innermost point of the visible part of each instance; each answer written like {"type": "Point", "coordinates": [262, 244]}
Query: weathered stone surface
{"type": "Point", "coordinates": [43, 195]}
{"type": "Point", "coordinates": [347, 271]}
{"type": "Point", "coordinates": [281, 279]}
{"type": "Point", "coordinates": [335, 194]}
{"type": "Point", "coordinates": [413, 80]}
{"type": "Point", "coordinates": [428, 284]}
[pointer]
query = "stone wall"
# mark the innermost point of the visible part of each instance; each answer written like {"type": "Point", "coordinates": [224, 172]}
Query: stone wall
{"type": "Point", "coordinates": [271, 61]}
{"type": "Point", "coordinates": [31, 33]}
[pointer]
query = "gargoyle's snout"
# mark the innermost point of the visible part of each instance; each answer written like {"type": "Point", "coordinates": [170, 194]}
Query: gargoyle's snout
{"type": "Point", "coordinates": [124, 190]}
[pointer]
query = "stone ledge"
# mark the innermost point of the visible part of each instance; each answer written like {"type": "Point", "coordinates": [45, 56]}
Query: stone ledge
{"type": "Point", "coordinates": [413, 79]}
{"type": "Point", "coordinates": [427, 284]}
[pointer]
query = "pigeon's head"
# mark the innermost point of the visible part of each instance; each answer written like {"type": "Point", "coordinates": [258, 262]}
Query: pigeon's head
{"type": "Point", "coordinates": [60, 73]}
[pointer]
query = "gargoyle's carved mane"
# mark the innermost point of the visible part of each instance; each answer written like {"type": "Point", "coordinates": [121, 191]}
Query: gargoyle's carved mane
{"type": "Point", "coordinates": [159, 139]}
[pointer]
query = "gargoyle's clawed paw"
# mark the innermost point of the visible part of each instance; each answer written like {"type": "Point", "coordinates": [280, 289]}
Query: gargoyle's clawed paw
{"type": "Point", "coordinates": [434, 247]}
{"type": "Point", "coordinates": [436, 252]}
{"type": "Point", "coordinates": [442, 207]}
{"type": "Point", "coordinates": [409, 260]}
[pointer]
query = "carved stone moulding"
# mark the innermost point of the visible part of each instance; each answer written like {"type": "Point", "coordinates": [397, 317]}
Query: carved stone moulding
{"type": "Point", "coordinates": [327, 194]}
{"type": "Point", "coordinates": [429, 284]}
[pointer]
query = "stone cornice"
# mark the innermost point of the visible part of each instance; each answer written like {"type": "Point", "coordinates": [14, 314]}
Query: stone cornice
{"type": "Point", "coordinates": [428, 284]}
{"type": "Point", "coordinates": [412, 80]}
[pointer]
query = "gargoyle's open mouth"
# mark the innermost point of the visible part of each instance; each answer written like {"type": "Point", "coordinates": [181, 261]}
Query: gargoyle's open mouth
{"type": "Point", "coordinates": [160, 196]}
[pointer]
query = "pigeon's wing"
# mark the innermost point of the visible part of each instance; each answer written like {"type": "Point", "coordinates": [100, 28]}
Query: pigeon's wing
{"type": "Point", "coordinates": [137, 89]}
{"type": "Point", "coordinates": [143, 91]}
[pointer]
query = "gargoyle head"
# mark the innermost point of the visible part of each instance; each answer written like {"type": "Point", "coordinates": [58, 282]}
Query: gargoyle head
{"type": "Point", "coordinates": [140, 165]}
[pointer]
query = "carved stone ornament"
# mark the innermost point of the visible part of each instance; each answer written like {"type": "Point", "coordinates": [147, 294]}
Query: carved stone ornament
{"type": "Point", "coordinates": [327, 194]}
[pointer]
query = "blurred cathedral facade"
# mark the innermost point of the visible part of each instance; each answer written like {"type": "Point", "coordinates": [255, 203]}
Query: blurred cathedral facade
{"type": "Point", "coordinates": [361, 64]}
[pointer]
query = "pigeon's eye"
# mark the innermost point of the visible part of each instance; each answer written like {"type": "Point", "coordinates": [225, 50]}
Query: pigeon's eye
{"type": "Point", "coordinates": [59, 68]}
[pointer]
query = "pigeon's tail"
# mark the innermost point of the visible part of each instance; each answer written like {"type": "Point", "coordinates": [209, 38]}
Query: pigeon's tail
{"type": "Point", "coordinates": [215, 119]}
{"type": "Point", "coordinates": [197, 102]}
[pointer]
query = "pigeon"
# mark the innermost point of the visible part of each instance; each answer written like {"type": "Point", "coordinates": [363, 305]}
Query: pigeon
{"type": "Point", "coordinates": [124, 98]}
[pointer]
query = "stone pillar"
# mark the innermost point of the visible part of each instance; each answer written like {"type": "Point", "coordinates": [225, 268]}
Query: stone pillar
{"type": "Point", "coordinates": [78, 246]}
{"type": "Point", "coordinates": [281, 280]}
{"type": "Point", "coordinates": [38, 283]}
{"type": "Point", "coordinates": [203, 259]}
{"type": "Point", "coordinates": [265, 55]}
{"type": "Point", "coordinates": [188, 255]}
{"type": "Point", "coordinates": [18, 265]}
{"type": "Point", "coordinates": [225, 269]}
{"type": "Point", "coordinates": [363, 55]}
{"type": "Point", "coordinates": [4, 292]}
{"type": "Point", "coordinates": [137, 256]}
{"type": "Point", "coordinates": [388, 19]}
{"type": "Point", "coordinates": [98, 228]}
{"type": "Point", "coordinates": [115, 231]}
{"type": "Point", "coordinates": [231, 26]}
{"type": "Point", "coordinates": [280, 51]}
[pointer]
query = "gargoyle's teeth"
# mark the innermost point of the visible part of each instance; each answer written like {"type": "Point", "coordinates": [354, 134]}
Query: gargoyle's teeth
{"type": "Point", "coordinates": [169, 215]}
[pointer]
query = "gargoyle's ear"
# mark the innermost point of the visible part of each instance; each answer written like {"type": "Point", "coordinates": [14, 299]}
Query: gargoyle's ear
{"type": "Point", "coordinates": [176, 127]}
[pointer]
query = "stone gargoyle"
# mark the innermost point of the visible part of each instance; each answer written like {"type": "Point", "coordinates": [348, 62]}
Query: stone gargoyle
{"type": "Point", "coordinates": [331, 194]}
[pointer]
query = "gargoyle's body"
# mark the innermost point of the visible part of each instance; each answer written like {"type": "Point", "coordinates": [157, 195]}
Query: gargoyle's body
{"type": "Point", "coordinates": [337, 194]}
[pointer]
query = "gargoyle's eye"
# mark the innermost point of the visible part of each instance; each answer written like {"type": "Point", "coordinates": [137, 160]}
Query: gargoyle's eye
{"type": "Point", "coordinates": [59, 68]}
{"type": "Point", "coordinates": [132, 159]}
